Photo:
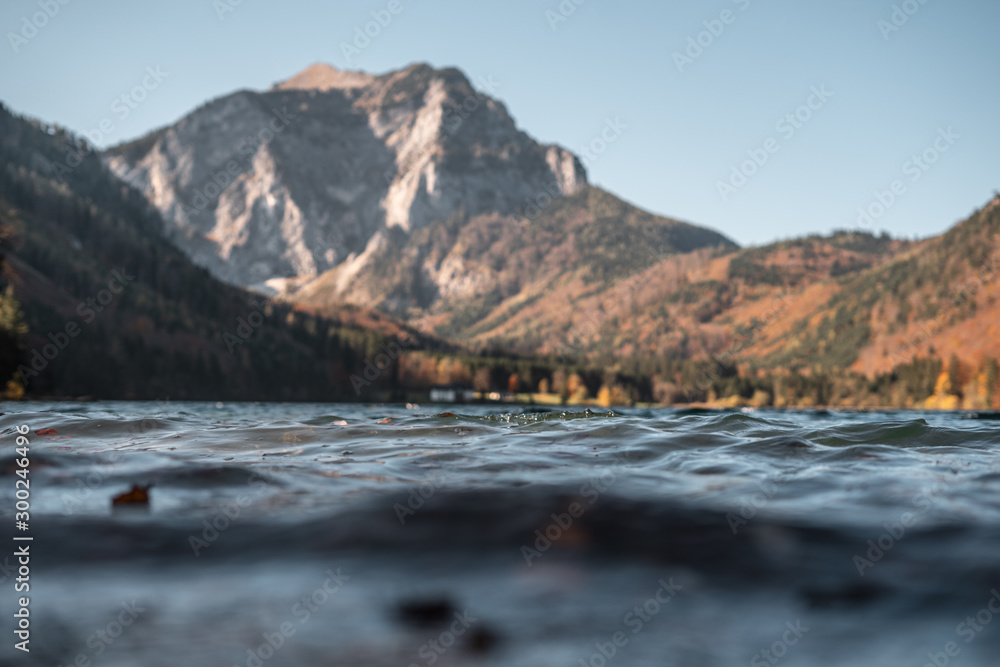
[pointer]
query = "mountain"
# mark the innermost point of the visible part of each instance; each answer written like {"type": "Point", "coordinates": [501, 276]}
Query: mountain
{"type": "Point", "coordinates": [324, 166]}
{"type": "Point", "coordinates": [466, 273]}
{"type": "Point", "coordinates": [412, 192]}
{"type": "Point", "coordinates": [854, 302]}
{"type": "Point", "coordinates": [850, 319]}
{"type": "Point", "coordinates": [685, 305]}
{"type": "Point", "coordinates": [941, 297]}
{"type": "Point", "coordinates": [113, 310]}
{"type": "Point", "coordinates": [415, 194]}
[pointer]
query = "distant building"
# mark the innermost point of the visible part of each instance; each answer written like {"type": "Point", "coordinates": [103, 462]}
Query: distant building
{"type": "Point", "coordinates": [452, 393]}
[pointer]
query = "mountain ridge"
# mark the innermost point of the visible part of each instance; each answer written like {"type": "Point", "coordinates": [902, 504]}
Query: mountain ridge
{"type": "Point", "coordinates": [407, 147]}
{"type": "Point", "coordinates": [581, 274]}
{"type": "Point", "coordinates": [849, 319]}
{"type": "Point", "coordinates": [115, 311]}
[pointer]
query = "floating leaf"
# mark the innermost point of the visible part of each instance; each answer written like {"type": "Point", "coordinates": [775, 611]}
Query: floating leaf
{"type": "Point", "coordinates": [46, 431]}
{"type": "Point", "coordinates": [138, 495]}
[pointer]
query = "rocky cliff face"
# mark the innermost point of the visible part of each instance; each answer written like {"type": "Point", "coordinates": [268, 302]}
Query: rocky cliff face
{"type": "Point", "coordinates": [329, 169]}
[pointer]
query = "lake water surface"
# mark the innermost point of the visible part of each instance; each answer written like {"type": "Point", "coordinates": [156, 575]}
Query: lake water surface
{"type": "Point", "coordinates": [319, 534]}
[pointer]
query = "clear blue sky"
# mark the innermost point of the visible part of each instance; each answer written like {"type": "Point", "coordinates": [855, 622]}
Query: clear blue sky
{"type": "Point", "coordinates": [891, 91]}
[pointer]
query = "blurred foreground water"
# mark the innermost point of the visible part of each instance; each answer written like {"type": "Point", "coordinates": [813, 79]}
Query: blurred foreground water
{"type": "Point", "coordinates": [307, 534]}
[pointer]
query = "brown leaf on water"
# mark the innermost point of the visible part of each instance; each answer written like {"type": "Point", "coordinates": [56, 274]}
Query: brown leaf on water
{"type": "Point", "coordinates": [46, 431]}
{"type": "Point", "coordinates": [446, 414]}
{"type": "Point", "coordinates": [138, 495]}
{"type": "Point", "coordinates": [385, 421]}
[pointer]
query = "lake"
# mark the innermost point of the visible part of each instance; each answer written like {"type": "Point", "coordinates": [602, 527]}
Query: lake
{"type": "Point", "coordinates": [332, 534]}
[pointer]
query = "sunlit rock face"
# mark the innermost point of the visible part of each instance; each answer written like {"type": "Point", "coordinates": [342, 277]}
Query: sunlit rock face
{"type": "Point", "coordinates": [334, 171]}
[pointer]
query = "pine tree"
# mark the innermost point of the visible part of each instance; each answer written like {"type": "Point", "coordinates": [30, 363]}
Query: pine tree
{"type": "Point", "coordinates": [955, 376]}
{"type": "Point", "coordinates": [993, 384]}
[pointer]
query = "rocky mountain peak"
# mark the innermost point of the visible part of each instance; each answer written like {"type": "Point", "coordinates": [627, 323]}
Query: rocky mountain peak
{"type": "Point", "coordinates": [323, 77]}
{"type": "Point", "coordinates": [298, 180]}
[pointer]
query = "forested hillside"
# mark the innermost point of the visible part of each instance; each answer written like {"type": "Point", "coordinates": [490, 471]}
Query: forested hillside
{"type": "Point", "coordinates": [590, 300]}
{"type": "Point", "coordinates": [115, 311]}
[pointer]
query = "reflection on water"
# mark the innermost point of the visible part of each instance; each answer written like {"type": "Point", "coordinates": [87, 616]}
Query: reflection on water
{"type": "Point", "coordinates": [300, 534]}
